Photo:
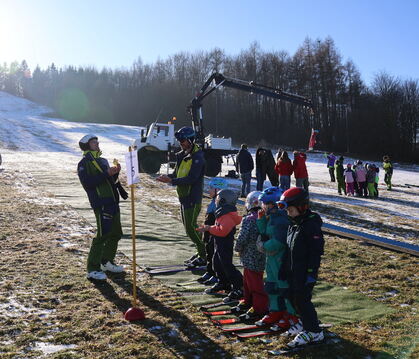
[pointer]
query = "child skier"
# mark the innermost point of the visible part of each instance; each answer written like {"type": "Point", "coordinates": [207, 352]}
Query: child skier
{"type": "Point", "coordinates": [371, 173]}
{"type": "Point", "coordinates": [388, 169]}
{"type": "Point", "coordinates": [339, 175]}
{"type": "Point", "coordinates": [216, 184]}
{"type": "Point", "coordinates": [273, 225]}
{"type": "Point", "coordinates": [255, 297]}
{"type": "Point", "coordinates": [349, 175]}
{"type": "Point", "coordinates": [305, 245]}
{"type": "Point", "coordinates": [331, 159]}
{"type": "Point", "coordinates": [226, 220]}
{"type": "Point", "coordinates": [361, 179]}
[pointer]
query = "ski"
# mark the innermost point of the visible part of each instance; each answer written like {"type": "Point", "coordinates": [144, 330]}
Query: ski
{"type": "Point", "coordinates": [258, 333]}
{"type": "Point", "coordinates": [286, 350]}
{"type": "Point", "coordinates": [226, 321]}
{"type": "Point", "coordinates": [268, 331]}
{"type": "Point", "coordinates": [240, 328]}
{"type": "Point", "coordinates": [218, 304]}
{"type": "Point", "coordinates": [221, 312]}
{"type": "Point", "coordinates": [174, 269]}
{"type": "Point", "coordinates": [185, 284]}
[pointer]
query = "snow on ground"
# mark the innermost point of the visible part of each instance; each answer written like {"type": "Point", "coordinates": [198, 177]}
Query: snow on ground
{"type": "Point", "coordinates": [46, 149]}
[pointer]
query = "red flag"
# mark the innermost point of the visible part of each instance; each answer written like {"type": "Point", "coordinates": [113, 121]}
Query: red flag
{"type": "Point", "coordinates": [312, 141]}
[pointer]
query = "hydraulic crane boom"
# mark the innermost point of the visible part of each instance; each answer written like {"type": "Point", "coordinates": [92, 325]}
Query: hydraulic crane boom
{"type": "Point", "coordinates": [195, 108]}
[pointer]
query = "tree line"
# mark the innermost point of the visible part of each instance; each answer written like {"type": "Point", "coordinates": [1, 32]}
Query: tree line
{"type": "Point", "coordinates": [351, 117]}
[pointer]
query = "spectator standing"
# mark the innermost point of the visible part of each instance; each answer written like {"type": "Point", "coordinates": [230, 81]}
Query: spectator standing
{"type": "Point", "coordinates": [300, 170]}
{"type": "Point", "coordinates": [245, 167]}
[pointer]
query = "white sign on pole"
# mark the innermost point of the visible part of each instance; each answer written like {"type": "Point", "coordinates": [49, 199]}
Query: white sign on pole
{"type": "Point", "coordinates": [133, 173]}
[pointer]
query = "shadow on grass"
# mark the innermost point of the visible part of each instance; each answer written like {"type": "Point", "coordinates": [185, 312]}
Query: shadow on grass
{"type": "Point", "coordinates": [195, 341]}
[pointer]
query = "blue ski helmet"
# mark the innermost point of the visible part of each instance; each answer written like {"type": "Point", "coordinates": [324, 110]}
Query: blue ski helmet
{"type": "Point", "coordinates": [271, 195]}
{"type": "Point", "coordinates": [185, 133]}
{"type": "Point", "coordinates": [218, 183]}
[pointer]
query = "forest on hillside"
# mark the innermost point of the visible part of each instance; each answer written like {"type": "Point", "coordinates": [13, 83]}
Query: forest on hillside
{"type": "Point", "coordinates": [373, 120]}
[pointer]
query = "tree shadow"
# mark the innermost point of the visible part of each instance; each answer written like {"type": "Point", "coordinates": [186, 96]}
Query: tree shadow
{"type": "Point", "coordinates": [194, 340]}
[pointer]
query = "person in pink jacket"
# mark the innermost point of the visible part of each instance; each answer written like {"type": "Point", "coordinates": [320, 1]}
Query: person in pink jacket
{"type": "Point", "coordinates": [226, 220]}
{"type": "Point", "coordinates": [361, 179]}
{"type": "Point", "coordinates": [349, 175]}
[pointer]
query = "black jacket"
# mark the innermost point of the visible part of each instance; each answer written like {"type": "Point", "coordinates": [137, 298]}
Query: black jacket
{"type": "Point", "coordinates": [305, 246]}
{"type": "Point", "coordinates": [244, 161]}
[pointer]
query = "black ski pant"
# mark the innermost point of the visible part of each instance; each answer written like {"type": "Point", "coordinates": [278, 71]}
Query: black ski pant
{"type": "Point", "coordinates": [332, 174]}
{"type": "Point", "coordinates": [301, 300]}
{"type": "Point", "coordinates": [209, 244]}
{"type": "Point", "coordinates": [226, 271]}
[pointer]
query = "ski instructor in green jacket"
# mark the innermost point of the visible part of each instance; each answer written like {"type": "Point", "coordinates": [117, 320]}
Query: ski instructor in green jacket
{"type": "Point", "coordinates": [188, 178]}
{"type": "Point", "coordinates": [101, 184]}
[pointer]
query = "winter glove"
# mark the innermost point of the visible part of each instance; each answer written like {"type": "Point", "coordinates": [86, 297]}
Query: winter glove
{"type": "Point", "coordinates": [121, 190]}
{"type": "Point", "coordinates": [259, 244]}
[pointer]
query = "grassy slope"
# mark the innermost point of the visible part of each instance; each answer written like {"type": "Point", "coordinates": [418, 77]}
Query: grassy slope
{"type": "Point", "coordinates": [60, 306]}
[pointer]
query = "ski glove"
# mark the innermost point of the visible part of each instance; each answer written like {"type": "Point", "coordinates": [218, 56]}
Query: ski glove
{"type": "Point", "coordinates": [121, 190]}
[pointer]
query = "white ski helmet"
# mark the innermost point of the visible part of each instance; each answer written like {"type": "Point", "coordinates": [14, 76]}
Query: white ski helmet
{"type": "Point", "coordinates": [84, 142]}
{"type": "Point", "coordinates": [252, 200]}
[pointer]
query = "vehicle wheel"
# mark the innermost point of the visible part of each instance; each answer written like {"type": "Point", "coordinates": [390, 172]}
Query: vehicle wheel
{"type": "Point", "coordinates": [149, 159]}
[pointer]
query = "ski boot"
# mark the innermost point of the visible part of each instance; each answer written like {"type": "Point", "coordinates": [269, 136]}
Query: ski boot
{"type": "Point", "coordinates": [304, 338]}
{"type": "Point", "coordinates": [190, 259]}
{"type": "Point", "coordinates": [110, 266]}
{"type": "Point", "coordinates": [241, 307]}
{"type": "Point", "coordinates": [235, 294]}
{"type": "Point", "coordinates": [204, 278]}
{"type": "Point", "coordinates": [271, 318]}
{"type": "Point", "coordinates": [216, 288]}
{"type": "Point", "coordinates": [213, 280]}
{"type": "Point", "coordinates": [249, 315]}
{"type": "Point", "coordinates": [294, 329]}
{"type": "Point", "coordinates": [197, 262]}
{"type": "Point", "coordinates": [285, 323]}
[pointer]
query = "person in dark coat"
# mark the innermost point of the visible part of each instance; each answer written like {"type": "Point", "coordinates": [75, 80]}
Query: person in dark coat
{"type": "Point", "coordinates": [245, 167]}
{"type": "Point", "coordinates": [305, 245]}
{"type": "Point", "coordinates": [265, 165]}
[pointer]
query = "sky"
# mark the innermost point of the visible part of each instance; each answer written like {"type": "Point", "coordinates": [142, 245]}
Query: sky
{"type": "Point", "coordinates": [377, 35]}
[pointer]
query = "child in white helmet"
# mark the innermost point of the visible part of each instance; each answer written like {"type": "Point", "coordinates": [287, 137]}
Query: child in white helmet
{"type": "Point", "coordinates": [255, 299]}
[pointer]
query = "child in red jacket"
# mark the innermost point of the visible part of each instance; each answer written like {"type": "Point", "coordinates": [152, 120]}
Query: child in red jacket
{"type": "Point", "coordinates": [226, 220]}
{"type": "Point", "coordinates": [284, 168]}
{"type": "Point", "coordinates": [300, 170]}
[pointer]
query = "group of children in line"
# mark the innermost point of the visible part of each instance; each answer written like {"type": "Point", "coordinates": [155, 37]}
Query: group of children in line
{"type": "Point", "coordinates": [279, 235]}
{"type": "Point", "coordinates": [358, 179]}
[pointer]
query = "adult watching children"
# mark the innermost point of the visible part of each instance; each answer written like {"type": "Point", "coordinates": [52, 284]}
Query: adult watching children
{"type": "Point", "coordinates": [101, 184]}
{"type": "Point", "coordinates": [188, 177]}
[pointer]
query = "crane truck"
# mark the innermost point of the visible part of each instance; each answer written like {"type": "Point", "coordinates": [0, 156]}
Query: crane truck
{"type": "Point", "coordinates": [157, 143]}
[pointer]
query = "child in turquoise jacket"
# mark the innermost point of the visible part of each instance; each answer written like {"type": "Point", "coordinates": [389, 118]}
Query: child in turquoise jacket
{"type": "Point", "coordinates": [273, 225]}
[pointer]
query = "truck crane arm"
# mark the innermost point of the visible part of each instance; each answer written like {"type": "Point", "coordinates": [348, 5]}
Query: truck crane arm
{"type": "Point", "coordinates": [195, 107]}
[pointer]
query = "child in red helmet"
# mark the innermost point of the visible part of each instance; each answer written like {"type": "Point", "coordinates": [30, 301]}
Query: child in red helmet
{"type": "Point", "coordinates": [304, 250]}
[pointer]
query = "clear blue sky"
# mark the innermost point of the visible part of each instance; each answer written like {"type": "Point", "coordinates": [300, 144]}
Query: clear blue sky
{"type": "Point", "coordinates": [376, 34]}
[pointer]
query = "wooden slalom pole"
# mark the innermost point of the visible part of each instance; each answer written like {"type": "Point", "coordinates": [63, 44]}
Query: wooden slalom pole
{"type": "Point", "coordinates": [133, 313]}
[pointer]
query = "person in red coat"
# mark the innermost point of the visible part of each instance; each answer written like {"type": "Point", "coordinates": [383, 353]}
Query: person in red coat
{"type": "Point", "coordinates": [300, 170]}
{"type": "Point", "coordinates": [284, 168]}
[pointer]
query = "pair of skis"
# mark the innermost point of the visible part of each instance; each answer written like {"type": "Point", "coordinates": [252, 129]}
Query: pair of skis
{"type": "Point", "coordinates": [287, 350]}
{"type": "Point", "coordinates": [172, 269]}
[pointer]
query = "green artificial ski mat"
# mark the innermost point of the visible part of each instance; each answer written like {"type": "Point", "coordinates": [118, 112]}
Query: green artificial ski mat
{"type": "Point", "coordinates": [161, 240]}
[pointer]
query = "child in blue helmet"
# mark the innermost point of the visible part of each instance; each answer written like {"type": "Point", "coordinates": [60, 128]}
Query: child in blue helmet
{"type": "Point", "coordinates": [273, 226]}
{"type": "Point", "coordinates": [215, 185]}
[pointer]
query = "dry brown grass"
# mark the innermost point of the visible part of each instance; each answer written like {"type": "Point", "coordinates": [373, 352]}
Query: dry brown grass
{"type": "Point", "coordinates": [46, 298]}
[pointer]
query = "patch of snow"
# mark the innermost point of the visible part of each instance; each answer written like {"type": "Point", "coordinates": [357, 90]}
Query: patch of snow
{"type": "Point", "coordinates": [49, 348]}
